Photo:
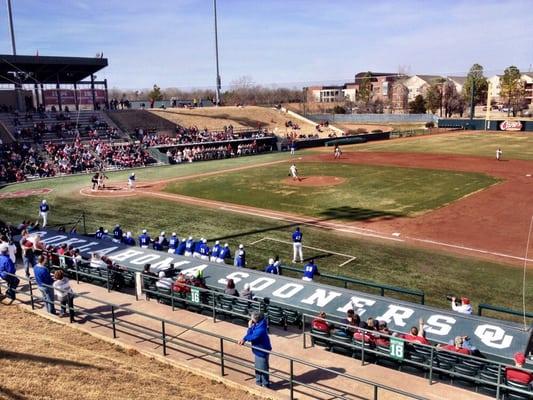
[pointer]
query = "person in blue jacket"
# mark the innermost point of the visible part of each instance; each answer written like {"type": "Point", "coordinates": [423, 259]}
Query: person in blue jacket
{"type": "Point", "coordinates": [223, 253]}
{"type": "Point", "coordinates": [173, 243]}
{"type": "Point", "coordinates": [215, 251]}
{"type": "Point", "coordinates": [271, 267]}
{"type": "Point", "coordinates": [117, 233]}
{"type": "Point", "coordinates": [144, 239]}
{"type": "Point", "coordinates": [257, 335]}
{"type": "Point", "coordinates": [7, 270]}
{"type": "Point", "coordinates": [189, 247]}
{"type": "Point", "coordinates": [181, 247]}
{"type": "Point", "coordinates": [240, 257]}
{"type": "Point", "coordinates": [44, 283]}
{"type": "Point", "coordinates": [310, 270]}
{"type": "Point", "coordinates": [128, 240]}
{"type": "Point", "coordinates": [196, 249]}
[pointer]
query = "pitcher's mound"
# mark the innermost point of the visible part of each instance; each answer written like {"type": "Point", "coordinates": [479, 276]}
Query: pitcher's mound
{"type": "Point", "coordinates": [315, 181]}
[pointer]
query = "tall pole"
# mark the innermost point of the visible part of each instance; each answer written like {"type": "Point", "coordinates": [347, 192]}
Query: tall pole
{"type": "Point", "coordinates": [11, 29]}
{"type": "Point", "coordinates": [472, 105]}
{"type": "Point", "coordinates": [217, 99]}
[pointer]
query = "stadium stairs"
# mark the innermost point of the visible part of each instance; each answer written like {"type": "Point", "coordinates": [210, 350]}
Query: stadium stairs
{"type": "Point", "coordinates": [129, 120]}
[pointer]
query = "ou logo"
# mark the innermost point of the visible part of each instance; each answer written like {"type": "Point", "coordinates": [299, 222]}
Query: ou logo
{"type": "Point", "coordinates": [493, 336]}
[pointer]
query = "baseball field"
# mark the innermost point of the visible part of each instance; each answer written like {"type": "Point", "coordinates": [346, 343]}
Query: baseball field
{"type": "Point", "coordinates": [433, 213]}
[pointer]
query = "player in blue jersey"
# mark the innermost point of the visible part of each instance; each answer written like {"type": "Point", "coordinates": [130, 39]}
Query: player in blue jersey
{"type": "Point", "coordinates": [43, 212]}
{"type": "Point", "coordinates": [117, 233]}
{"type": "Point", "coordinates": [196, 249]}
{"type": "Point", "coordinates": [240, 257]}
{"type": "Point", "coordinates": [128, 239]}
{"type": "Point", "coordinates": [181, 247]}
{"type": "Point", "coordinates": [224, 253]}
{"type": "Point", "coordinates": [189, 247]}
{"type": "Point", "coordinates": [271, 268]}
{"type": "Point", "coordinates": [310, 270]}
{"type": "Point", "coordinates": [99, 233]}
{"type": "Point", "coordinates": [173, 243]}
{"type": "Point", "coordinates": [144, 239]}
{"type": "Point", "coordinates": [204, 250]}
{"type": "Point", "coordinates": [297, 245]}
{"type": "Point", "coordinates": [215, 251]}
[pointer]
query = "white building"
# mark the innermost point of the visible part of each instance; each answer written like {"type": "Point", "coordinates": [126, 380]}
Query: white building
{"type": "Point", "coordinates": [419, 84]}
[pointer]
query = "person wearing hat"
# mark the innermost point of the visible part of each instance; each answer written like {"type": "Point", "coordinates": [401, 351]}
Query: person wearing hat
{"type": "Point", "coordinates": [173, 243]}
{"type": "Point", "coordinates": [28, 256]}
{"type": "Point", "coordinates": [215, 251]}
{"type": "Point", "coordinates": [7, 271]}
{"type": "Point", "coordinates": [43, 212]}
{"type": "Point", "coordinates": [181, 247]}
{"type": "Point", "coordinates": [117, 234]}
{"type": "Point", "coordinates": [257, 335]}
{"type": "Point", "coordinates": [196, 248]}
{"type": "Point", "coordinates": [297, 245]}
{"type": "Point", "coordinates": [164, 281]}
{"type": "Point", "coordinates": [144, 239]}
{"type": "Point", "coordinates": [131, 181]}
{"type": "Point", "coordinates": [224, 253]}
{"type": "Point", "coordinates": [310, 270]}
{"type": "Point", "coordinates": [271, 268]}
{"type": "Point", "coordinates": [240, 257]}
{"type": "Point", "coordinates": [161, 242]}
{"type": "Point", "coordinates": [189, 247]}
{"type": "Point", "coordinates": [204, 250]}
{"type": "Point", "coordinates": [464, 308]}
{"type": "Point", "coordinates": [128, 240]}
{"type": "Point", "coordinates": [517, 375]}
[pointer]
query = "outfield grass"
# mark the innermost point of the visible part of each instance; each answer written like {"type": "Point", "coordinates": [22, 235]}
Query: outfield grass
{"type": "Point", "coordinates": [368, 192]}
{"type": "Point", "coordinates": [514, 145]}
{"type": "Point", "coordinates": [436, 273]}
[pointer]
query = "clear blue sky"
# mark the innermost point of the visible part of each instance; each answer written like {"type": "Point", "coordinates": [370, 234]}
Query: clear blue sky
{"type": "Point", "coordinates": [170, 42]}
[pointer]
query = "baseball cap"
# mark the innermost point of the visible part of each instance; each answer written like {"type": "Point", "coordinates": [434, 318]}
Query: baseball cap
{"type": "Point", "coordinates": [226, 245]}
{"type": "Point", "coordinates": [106, 231]}
{"type": "Point", "coordinates": [217, 242]}
{"type": "Point", "coordinates": [465, 300]}
{"type": "Point", "coordinates": [3, 247]}
{"type": "Point", "coordinates": [128, 234]}
{"type": "Point", "coordinates": [271, 261]}
{"type": "Point", "coordinates": [190, 237]}
{"type": "Point", "coordinates": [144, 230]}
{"type": "Point", "coordinates": [173, 233]}
{"type": "Point", "coordinates": [162, 233]}
{"type": "Point", "coordinates": [204, 241]}
{"type": "Point", "coordinates": [241, 246]}
{"type": "Point", "coordinates": [520, 358]}
{"type": "Point", "coordinates": [161, 274]}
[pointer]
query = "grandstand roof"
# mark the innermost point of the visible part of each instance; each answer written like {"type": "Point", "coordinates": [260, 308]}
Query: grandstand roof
{"type": "Point", "coordinates": [47, 69]}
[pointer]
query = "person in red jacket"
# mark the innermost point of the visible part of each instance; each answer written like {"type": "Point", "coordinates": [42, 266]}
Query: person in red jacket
{"type": "Point", "coordinates": [516, 375]}
{"type": "Point", "coordinates": [417, 335]}
{"type": "Point", "coordinates": [456, 347]}
{"type": "Point", "coordinates": [320, 323]}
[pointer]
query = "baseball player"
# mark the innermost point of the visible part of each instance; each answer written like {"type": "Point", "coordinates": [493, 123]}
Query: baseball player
{"type": "Point", "coordinates": [131, 181]}
{"type": "Point", "coordinates": [189, 247]}
{"type": "Point", "coordinates": [293, 171]}
{"type": "Point", "coordinates": [128, 240]}
{"type": "Point", "coordinates": [117, 234]}
{"type": "Point", "coordinates": [293, 148]}
{"type": "Point", "coordinates": [499, 154]}
{"type": "Point", "coordinates": [99, 233]}
{"type": "Point", "coordinates": [310, 270]}
{"type": "Point", "coordinates": [144, 239]}
{"type": "Point", "coordinates": [181, 247]}
{"type": "Point", "coordinates": [43, 212]}
{"type": "Point", "coordinates": [196, 248]}
{"type": "Point", "coordinates": [204, 250]}
{"type": "Point", "coordinates": [240, 257]}
{"type": "Point", "coordinates": [173, 243]}
{"type": "Point", "coordinates": [224, 253]}
{"type": "Point", "coordinates": [337, 152]}
{"type": "Point", "coordinates": [215, 251]}
{"type": "Point", "coordinates": [271, 267]}
{"type": "Point", "coordinates": [297, 245]}
{"type": "Point", "coordinates": [94, 181]}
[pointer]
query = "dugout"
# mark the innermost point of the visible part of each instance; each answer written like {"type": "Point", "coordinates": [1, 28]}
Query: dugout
{"type": "Point", "coordinates": [30, 82]}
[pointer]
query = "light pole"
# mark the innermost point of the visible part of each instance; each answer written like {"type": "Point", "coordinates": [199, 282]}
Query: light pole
{"type": "Point", "coordinates": [11, 29]}
{"type": "Point", "coordinates": [217, 94]}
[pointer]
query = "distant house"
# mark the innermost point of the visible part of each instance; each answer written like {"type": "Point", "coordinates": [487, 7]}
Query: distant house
{"type": "Point", "coordinates": [496, 86]}
{"type": "Point", "coordinates": [458, 81]}
{"type": "Point", "coordinates": [528, 86]}
{"type": "Point", "coordinates": [380, 83]}
{"type": "Point", "coordinates": [325, 94]}
{"type": "Point", "coordinates": [419, 84]}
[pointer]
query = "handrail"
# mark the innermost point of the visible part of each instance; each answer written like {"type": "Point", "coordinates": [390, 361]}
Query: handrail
{"type": "Point", "coordinates": [115, 320]}
{"type": "Point", "coordinates": [430, 363]}
{"type": "Point", "coordinates": [504, 310]}
{"type": "Point", "coordinates": [382, 287]}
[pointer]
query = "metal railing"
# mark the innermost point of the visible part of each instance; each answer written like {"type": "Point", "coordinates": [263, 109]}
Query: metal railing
{"type": "Point", "coordinates": [429, 352]}
{"type": "Point", "coordinates": [114, 321]}
{"type": "Point", "coordinates": [503, 310]}
{"type": "Point", "coordinates": [346, 280]}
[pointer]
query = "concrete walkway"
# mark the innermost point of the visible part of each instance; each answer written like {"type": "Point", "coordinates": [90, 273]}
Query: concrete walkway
{"type": "Point", "coordinates": [183, 351]}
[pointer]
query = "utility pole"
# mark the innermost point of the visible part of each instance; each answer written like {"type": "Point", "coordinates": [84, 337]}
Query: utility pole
{"type": "Point", "coordinates": [217, 98]}
{"type": "Point", "coordinates": [472, 105]}
{"type": "Point", "coordinates": [11, 29]}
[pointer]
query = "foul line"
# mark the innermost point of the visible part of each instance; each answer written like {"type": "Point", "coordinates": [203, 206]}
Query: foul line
{"type": "Point", "coordinates": [455, 246]}
{"type": "Point", "coordinates": [350, 257]}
